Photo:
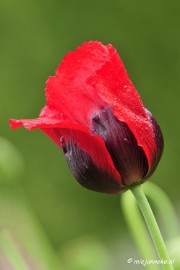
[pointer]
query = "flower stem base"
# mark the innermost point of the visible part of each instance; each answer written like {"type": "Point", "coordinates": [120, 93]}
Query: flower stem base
{"type": "Point", "coordinates": [152, 226]}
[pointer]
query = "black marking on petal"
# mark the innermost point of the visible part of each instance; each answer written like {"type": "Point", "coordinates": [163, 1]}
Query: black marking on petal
{"type": "Point", "coordinates": [87, 173]}
{"type": "Point", "coordinates": [129, 158]}
{"type": "Point", "coordinates": [159, 141]}
{"type": "Point", "coordinates": [63, 145]}
{"type": "Point", "coordinates": [96, 118]}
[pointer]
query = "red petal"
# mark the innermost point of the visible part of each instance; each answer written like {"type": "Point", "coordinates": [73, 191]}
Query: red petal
{"type": "Point", "coordinates": [88, 79]}
{"type": "Point", "coordinates": [93, 144]}
{"type": "Point", "coordinates": [68, 91]}
{"type": "Point", "coordinates": [114, 87]}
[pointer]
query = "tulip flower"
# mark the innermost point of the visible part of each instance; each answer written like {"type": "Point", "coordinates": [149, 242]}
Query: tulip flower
{"type": "Point", "coordinates": [94, 113]}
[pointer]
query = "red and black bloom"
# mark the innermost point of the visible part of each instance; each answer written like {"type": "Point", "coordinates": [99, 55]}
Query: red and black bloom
{"type": "Point", "coordinates": [94, 113]}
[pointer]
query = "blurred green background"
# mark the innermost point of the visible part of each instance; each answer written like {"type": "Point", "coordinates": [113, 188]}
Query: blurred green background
{"type": "Point", "coordinates": [34, 37]}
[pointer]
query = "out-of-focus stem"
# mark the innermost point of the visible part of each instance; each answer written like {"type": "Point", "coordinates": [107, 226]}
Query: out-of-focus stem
{"type": "Point", "coordinates": [10, 251]}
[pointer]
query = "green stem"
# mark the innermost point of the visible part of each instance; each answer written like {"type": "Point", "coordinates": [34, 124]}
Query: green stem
{"type": "Point", "coordinates": [138, 228]}
{"type": "Point", "coordinates": [152, 226]}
